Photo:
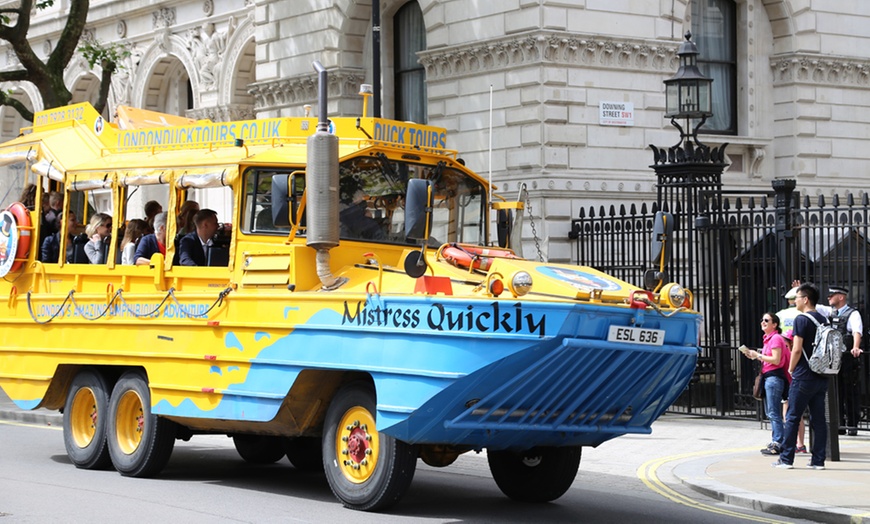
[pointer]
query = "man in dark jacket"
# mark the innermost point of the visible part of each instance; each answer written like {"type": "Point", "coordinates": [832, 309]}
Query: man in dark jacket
{"type": "Point", "coordinates": [193, 247]}
{"type": "Point", "coordinates": [50, 249]}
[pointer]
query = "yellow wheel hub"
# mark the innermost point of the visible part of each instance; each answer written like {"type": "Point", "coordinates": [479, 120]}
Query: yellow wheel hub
{"type": "Point", "coordinates": [129, 422]}
{"type": "Point", "coordinates": [357, 445]}
{"type": "Point", "coordinates": [84, 417]}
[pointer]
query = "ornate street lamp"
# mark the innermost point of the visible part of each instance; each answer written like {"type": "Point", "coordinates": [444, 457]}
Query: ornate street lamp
{"type": "Point", "coordinates": [687, 93]}
{"type": "Point", "coordinates": [688, 96]}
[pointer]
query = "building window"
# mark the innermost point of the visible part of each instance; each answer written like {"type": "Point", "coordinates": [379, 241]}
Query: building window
{"type": "Point", "coordinates": [410, 80]}
{"type": "Point", "coordinates": [715, 32]}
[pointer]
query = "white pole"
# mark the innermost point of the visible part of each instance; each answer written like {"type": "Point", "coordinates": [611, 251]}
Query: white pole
{"type": "Point", "coordinates": [492, 220]}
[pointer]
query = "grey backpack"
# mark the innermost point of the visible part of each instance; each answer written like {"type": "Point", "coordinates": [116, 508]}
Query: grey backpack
{"type": "Point", "coordinates": [827, 349]}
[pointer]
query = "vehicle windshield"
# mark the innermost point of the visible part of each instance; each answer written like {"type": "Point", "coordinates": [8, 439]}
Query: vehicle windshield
{"type": "Point", "coordinates": [372, 200]}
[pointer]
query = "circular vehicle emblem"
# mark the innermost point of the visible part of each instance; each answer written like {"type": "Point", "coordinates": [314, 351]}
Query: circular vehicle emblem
{"type": "Point", "coordinates": [579, 279]}
{"type": "Point", "coordinates": [8, 242]}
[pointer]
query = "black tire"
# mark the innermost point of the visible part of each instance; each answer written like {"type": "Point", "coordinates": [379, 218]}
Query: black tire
{"type": "Point", "coordinates": [305, 453]}
{"type": "Point", "coordinates": [140, 443]}
{"type": "Point", "coordinates": [378, 469]}
{"type": "Point", "coordinates": [536, 475]}
{"type": "Point", "coordinates": [85, 419]}
{"type": "Point", "coordinates": [259, 449]}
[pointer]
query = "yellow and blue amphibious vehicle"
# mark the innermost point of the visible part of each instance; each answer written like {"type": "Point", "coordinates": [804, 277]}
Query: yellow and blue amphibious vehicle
{"type": "Point", "coordinates": [348, 314]}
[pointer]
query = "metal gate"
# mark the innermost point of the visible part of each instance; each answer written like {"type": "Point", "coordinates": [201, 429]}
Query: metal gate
{"type": "Point", "coordinates": [738, 252]}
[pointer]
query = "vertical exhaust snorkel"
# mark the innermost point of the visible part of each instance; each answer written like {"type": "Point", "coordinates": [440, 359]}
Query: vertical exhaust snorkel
{"type": "Point", "coordinates": [322, 187]}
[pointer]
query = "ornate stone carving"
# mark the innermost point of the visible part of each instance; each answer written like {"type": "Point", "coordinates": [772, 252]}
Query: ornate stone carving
{"type": "Point", "coordinates": [163, 17]}
{"type": "Point", "coordinates": [122, 79]}
{"type": "Point", "coordinates": [46, 47]}
{"type": "Point", "coordinates": [208, 7]}
{"type": "Point", "coordinates": [121, 29]}
{"type": "Point", "coordinates": [208, 47]}
{"type": "Point", "coordinates": [590, 50]}
{"type": "Point", "coordinates": [223, 113]}
{"type": "Point", "coordinates": [819, 69]}
{"type": "Point", "coordinates": [11, 57]}
{"type": "Point", "coordinates": [297, 91]}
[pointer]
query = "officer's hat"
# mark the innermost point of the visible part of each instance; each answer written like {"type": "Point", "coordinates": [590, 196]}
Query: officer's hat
{"type": "Point", "coordinates": [837, 289]}
{"type": "Point", "coordinates": [792, 293]}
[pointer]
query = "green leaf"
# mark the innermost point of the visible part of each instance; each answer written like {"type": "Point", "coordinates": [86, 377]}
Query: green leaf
{"type": "Point", "coordinates": [99, 53]}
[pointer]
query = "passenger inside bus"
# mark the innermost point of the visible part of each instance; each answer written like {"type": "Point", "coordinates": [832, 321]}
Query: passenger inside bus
{"type": "Point", "coordinates": [135, 230]}
{"type": "Point", "coordinates": [184, 221]}
{"type": "Point", "coordinates": [50, 252]}
{"type": "Point", "coordinates": [152, 243]}
{"type": "Point", "coordinates": [199, 248]}
{"type": "Point", "coordinates": [152, 208]}
{"type": "Point", "coordinates": [99, 233]}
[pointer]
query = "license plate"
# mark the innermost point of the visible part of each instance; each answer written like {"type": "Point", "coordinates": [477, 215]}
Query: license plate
{"type": "Point", "coordinates": [633, 335]}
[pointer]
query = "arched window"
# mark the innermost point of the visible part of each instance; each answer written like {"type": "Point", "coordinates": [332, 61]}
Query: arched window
{"type": "Point", "coordinates": [715, 32]}
{"type": "Point", "coordinates": [410, 79]}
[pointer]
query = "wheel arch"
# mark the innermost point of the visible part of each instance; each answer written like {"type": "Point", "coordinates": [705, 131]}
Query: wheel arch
{"type": "Point", "coordinates": [313, 391]}
{"type": "Point", "coordinates": [58, 388]}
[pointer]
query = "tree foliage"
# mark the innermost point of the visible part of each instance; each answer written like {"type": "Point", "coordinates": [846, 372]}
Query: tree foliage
{"type": "Point", "coordinates": [47, 75]}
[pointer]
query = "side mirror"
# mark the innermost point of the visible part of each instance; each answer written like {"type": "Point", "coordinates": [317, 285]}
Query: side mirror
{"type": "Point", "coordinates": [280, 200]}
{"type": "Point", "coordinates": [418, 223]}
{"type": "Point", "coordinates": [287, 191]}
{"type": "Point", "coordinates": [418, 215]}
{"type": "Point", "coordinates": [504, 221]}
{"type": "Point", "coordinates": [663, 228]}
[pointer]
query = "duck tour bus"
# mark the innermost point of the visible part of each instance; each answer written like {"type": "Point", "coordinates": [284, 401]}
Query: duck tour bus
{"type": "Point", "coordinates": [317, 289]}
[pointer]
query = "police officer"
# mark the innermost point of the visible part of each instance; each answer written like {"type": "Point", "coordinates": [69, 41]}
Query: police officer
{"type": "Point", "coordinates": [848, 321]}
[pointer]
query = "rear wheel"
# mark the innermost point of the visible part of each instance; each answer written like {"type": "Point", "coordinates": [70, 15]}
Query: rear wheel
{"type": "Point", "coordinates": [366, 470]}
{"type": "Point", "coordinates": [536, 475]}
{"type": "Point", "coordinates": [85, 418]}
{"type": "Point", "coordinates": [140, 443]}
{"type": "Point", "coordinates": [305, 453]}
{"type": "Point", "coordinates": [259, 449]}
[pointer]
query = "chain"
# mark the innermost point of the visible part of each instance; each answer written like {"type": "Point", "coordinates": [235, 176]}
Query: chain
{"type": "Point", "coordinates": [118, 296]}
{"type": "Point", "coordinates": [534, 229]}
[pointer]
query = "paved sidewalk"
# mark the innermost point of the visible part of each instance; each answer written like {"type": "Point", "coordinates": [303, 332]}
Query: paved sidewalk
{"type": "Point", "coordinates": [719, 458]}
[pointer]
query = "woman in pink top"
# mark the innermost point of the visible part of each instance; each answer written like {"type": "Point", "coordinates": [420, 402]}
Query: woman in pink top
{"type": "Point", "coordinates": [774, 357]}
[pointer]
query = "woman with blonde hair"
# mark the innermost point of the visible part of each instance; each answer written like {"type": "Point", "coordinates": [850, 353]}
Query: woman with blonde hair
{"type": "Point", "coordinates": [136, 229]}
{"type": "Point", "coordinates": [99, 229]}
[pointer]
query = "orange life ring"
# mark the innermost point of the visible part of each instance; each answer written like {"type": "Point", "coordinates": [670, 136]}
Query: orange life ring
{"type": "Point", "coordinates": [22, 218]}
{"type": "Point", "coordinates": [473, 256]}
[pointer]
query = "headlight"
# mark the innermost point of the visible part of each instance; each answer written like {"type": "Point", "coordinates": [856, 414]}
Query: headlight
{"type": "Point", "coordinates": [676, 296]}
{"type": "Point", "coordinates": [521, 283]}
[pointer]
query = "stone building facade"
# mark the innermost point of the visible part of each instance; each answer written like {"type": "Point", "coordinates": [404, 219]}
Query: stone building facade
{"type": "Point", "coordinates": [793, 84]}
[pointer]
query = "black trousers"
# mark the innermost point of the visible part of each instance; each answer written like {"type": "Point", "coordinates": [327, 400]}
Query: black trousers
{"type": "Point", "coordinates": [848, 390]}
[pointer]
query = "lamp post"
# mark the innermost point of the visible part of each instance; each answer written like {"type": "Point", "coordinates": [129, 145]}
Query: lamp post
{"type": "Point", "coordinates": [689, 186]}
{"type": "Point", "coordinates": [687, 93]}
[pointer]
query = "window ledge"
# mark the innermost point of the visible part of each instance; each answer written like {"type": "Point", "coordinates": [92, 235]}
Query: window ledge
{"type": "Point", "coordinates": [745, 154]}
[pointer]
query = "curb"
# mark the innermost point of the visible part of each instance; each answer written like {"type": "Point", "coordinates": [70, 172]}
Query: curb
{"type": "Point", "coordinates": [694, 475]}
{"type": "Point", "coordinates": [41, 417]}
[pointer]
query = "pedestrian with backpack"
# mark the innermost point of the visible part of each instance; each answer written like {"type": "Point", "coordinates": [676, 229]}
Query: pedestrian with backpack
{"type": "Point", "coordinates": [808, 388]}
{"type": "Point", "coordinates": [847, 320]}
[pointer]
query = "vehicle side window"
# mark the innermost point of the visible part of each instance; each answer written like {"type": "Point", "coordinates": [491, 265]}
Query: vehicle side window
{"type": "Point", "coordinates": [257, 207]}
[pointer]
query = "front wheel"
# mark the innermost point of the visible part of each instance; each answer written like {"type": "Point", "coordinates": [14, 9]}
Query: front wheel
{"type": "Point", "coordinates": [85, 417]}
{"type": "Point", "coordinates": [140, 442]}
{"type": "Point", "coordinates": [366, 470]}
{"type": "Point", "coordinates": [536, 475]}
